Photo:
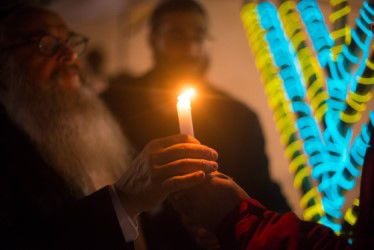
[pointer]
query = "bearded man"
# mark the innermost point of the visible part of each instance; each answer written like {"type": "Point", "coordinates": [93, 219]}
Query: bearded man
{"type": "Point", "coordinates": [60, 148]}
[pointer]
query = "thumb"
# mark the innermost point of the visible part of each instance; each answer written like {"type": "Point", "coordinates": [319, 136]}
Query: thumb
{"type": "Point", "coordinates": [178, 183]}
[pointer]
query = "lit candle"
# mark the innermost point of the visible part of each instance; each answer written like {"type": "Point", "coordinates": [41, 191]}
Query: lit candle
{"type": "Point", "coordinates": [184, 112]}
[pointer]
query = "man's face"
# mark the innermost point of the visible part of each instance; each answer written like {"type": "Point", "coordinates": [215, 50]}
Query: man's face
{"type": "Point", "coordinates": [43, 95]}
{"type": "Point", "coordinates": [62, 67]}
{"type": "Point", "coordinates": [179, 43]}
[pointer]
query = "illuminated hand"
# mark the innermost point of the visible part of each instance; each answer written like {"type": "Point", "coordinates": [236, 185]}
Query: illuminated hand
{"type": "Point", "coordinates": [208, 203]}
{"type": "Point", "coordinates": [164, 166]}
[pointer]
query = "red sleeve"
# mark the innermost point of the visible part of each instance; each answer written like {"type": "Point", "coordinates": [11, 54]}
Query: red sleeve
{"type": "Point", "coordinates": [252, 226]}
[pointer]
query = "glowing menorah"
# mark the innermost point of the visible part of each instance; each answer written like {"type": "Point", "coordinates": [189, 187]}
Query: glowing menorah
{"type": "Point", "coordinates": [318, 83]}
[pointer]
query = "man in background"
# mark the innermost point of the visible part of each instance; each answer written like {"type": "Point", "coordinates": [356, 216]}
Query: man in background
{"type": "Point", "coordinates": [145, 106]}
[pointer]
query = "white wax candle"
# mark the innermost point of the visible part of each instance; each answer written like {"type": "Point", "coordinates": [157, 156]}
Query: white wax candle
{"type": "Point", "coordinates": [184, 112]}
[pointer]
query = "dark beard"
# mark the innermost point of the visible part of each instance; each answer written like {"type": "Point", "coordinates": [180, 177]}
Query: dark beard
{"type": "Point", "coordinates": [72, 130]}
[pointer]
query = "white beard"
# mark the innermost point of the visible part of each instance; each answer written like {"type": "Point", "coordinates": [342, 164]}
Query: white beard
{"type": "Point", "coordinates": [72, 129]}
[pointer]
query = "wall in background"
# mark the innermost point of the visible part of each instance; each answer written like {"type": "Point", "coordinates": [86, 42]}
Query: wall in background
{"type": "Point", "coordinates": [232, 64]}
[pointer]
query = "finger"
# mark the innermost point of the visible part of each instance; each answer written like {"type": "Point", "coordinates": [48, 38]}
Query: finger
{"type": "Point", "coordinates": [183, 150]}
{"type": "Point", "coordinates": [183, 167]}
{"type": "Point", "coordinates": [178, 183]}
{"type": "Point", "coordinates": [171, 140]}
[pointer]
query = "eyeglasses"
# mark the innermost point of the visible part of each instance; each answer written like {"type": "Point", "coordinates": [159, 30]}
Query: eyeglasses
{"type": "Point", "coordinates": [49, 45]}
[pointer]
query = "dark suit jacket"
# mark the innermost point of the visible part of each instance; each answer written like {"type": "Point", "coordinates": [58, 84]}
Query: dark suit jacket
{"type": "Point", "coordinates": [38, 210]}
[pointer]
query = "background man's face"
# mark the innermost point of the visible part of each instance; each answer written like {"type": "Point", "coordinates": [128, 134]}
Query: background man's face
{"type": "Point", "coordinates": [61, 67]}
{"type": "Point", "coordinates": [179, 43]}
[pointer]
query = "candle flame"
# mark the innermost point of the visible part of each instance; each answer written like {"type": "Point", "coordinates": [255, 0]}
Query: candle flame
{"type": "Point", "coordinates": [184, 111]}
{"type": "Point", "coordinates": [187, 95]}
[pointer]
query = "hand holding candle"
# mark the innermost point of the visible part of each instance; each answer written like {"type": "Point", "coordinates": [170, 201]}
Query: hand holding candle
{"type": "Point", "coordinates": [184, 112]}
